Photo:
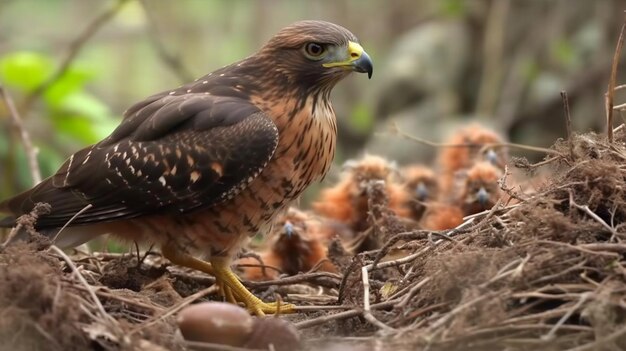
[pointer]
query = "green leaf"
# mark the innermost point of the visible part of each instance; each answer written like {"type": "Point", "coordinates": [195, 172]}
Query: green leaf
{"type": "Point", "coordinates": [25, 70]}
{"type": "Point", "coordinates": [84, 104]}
{"type": "Point", "coordinates": [563, 52]}
{"type": "Point", "coordinates": [452, 8]}
{"type": "Point", "coordinates": [72, 80]}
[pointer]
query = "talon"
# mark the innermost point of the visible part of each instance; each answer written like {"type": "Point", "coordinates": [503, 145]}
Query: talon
{"type": "Point", "coordinates": [235, 292]}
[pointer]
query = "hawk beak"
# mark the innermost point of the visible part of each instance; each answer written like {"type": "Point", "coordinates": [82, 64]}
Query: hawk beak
{"type": "Point", "coordinates": [357, 60]}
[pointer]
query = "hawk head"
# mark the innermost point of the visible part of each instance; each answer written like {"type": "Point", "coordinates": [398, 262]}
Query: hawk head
{"type": "Point", "coordinates": [311, 55]}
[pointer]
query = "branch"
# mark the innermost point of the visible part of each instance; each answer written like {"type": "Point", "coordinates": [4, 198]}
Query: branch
{"type": "Point", "coordinates": [394, 130]}
{"type": "Point", "coordinates": [610, 93]}
{"type": "Point", "coordinates": [74, 49]}
{"type": "Point", "coordinates": [31, 152]}
{"type": "Point", "coordinates": [568, 123]}
{"type": "Point", "coordinates": [172, 61]}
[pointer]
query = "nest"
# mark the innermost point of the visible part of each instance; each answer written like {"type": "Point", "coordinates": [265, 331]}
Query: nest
{"type": "Point", "coordinates": [545, 273]}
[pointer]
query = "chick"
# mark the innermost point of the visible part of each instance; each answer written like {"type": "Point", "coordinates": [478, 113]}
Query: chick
{"type": "Point", "coordinates": [347, 201]}
{"type": "Point", "coordinates": [297, 244]}
{"type": "Point", "coordinates": [480, 190]}
{"type": "Point", "coordinates": [475, 139]}
{"type": "Point", "coordinates": [440, 216]}
{"type": "Point", "coordinates": [422, 184]}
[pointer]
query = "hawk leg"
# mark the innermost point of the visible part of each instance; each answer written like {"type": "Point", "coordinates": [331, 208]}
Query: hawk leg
{"type": "Point", "coordinates": [230, 286]}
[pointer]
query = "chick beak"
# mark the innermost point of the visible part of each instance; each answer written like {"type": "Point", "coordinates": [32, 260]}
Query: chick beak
{"type": "Point", "coordinates": [288, 229]}
{"type": "Point", "coordinates": [492, 157]}
{"type": "Point", "coordinates": [421, 191]}
{"type": "Point", "coordinates": [482, 196]}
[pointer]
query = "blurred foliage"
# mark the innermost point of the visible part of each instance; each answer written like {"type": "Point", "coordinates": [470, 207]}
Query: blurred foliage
{"type": "Point", "coordinates": [74, 115]}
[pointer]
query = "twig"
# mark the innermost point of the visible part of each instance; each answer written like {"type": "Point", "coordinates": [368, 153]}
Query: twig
{"type": "Point", "coordinates": [187, 301]}
{"type": "Point", "coordinates": [31, 152]}
{"type": "Point", "coordinates": [591, 214]}
{"type": "Point", "coordinates": [367, 313]}
{"type": "Point", "coordinates": [71, 220]}
{"type": "Point", "coordinates": [450, 315]}
{"type": "Point", "coordinates": [550, 335]}
{"type": "Point", "coordinates": [73, 50]}
{"type": "Point", "coordinates": [596, 345]}
{"type": "Point", "coordinates": [82, 280]}
{"type": "Point", "coordinates": [568, 123]}
{"type": "Point", "coordinates": [393, 129]}
{"type": "Point", "coordinates": [26, 222]}
{"type": "Point", "coordinates": [171, 60]}
{"type": "Point", "coordinates": [412, 235]}
{"type": "Point", "coordinates": [342, 315]}
{"type": "Point", "coordinates": [304, 277]}
{"type": "Point", "coordinates": [610, 93]}
{"type": "Point", "coordinates": [412, 292]}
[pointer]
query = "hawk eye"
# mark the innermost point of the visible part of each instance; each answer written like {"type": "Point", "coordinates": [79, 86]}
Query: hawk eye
{"type": "Point", "coordinates": [314, 51]}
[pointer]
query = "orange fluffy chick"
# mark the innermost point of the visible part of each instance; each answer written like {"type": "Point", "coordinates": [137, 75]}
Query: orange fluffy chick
{"type": "Point", "coordinates": [347, 202]}
{"type": "Point", "coordinates": [480, 189]}
{"type": "Point", "coordinates": [475, 137]}
{"type": "Point", "coordinates": [440, 216]}
{"type": "Point", "coordinates": [297, 244]}
{"type": "Point", "coordinates": [423, 186]}
{"type": "Point", "coordinates": [478, 192]}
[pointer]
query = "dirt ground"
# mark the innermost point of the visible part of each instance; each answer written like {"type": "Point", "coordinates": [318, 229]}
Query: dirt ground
{"type": "Point", "coordinates": [543, 272]}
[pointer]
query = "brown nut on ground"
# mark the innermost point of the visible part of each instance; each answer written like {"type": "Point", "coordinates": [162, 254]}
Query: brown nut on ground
{"type": "Point", "coordinates": [216, 322]}
{"type": "Point", "coordinates": [279, 333]}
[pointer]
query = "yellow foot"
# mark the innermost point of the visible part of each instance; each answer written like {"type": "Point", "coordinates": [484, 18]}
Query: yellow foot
{"type": "Point", "coordinates": [230, 286]}
{"type": "Point", "coordinates": [231, 283]}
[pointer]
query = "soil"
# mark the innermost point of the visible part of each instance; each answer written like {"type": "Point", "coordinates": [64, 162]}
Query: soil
{"type": "Point", "coordinates": [543, 272]}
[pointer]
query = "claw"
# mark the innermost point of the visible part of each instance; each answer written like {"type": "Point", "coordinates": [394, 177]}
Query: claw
{"type": "Point", "coordinates": [229, 285]}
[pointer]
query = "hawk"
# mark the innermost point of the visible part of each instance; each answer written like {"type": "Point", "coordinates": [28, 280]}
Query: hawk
{"type": "Point", "coordinates": [200, 168]}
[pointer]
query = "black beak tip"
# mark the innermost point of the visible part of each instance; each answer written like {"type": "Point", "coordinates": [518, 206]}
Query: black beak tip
{"type": "Point", "coordinates": [364, 65]}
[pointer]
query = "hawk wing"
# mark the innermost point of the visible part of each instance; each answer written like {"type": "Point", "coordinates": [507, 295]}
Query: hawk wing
{"type": "Point", "coordinates": [177, 153]}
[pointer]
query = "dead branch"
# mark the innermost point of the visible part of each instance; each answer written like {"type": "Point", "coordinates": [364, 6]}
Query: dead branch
{"type": "Point", "coordinates": [610, 93]}
{"type": "Point", "coordinates": [29, 149]}
{"type": "Point", "coordinates": [73, 50]}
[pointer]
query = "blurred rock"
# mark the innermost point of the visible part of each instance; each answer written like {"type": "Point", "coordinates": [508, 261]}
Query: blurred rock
{"type": "Point", "coordinates": [427, 61]}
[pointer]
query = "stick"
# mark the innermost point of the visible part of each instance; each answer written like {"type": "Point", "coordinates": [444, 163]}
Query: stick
{"type": "Point", "coordinates": [610, 93]}
{"type": "Point", "coordinates": [82, 280]}
{"type": "Point", "coordinates": [74, 49]}
{"type": "Point", "coordinates": [187, 301]}
{"type": "Point", "coordinates": [341, 315]}
{"type": "Point", "coordinates": [393, 129]}
{"type": "Point", "coordinates": [172, 61]}
{"type": "Point", "coordinates": [70, 221]}
{"type": "Point", "coordinates": [551, 334]}
{"type": "Point", "coordinates": [367, 313]}
{"type": "Point", "coordinates": [568, 123]}
{"type": "Point", "coordinates": [31, 152]}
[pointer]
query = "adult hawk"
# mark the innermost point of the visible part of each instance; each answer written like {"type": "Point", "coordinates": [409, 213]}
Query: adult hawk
{"type": "Point", "coordinates": [200, 168]}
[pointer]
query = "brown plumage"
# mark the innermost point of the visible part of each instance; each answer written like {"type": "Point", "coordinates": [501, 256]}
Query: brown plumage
{"type": "Point", "coordinates": [476, 139]}
{"type": "Point", "coordinates": [347, 201]}
{"type": "Point", "coordinates": [297, 244]}
{"type": "Point", "coordinates": [422, 185]}
{"type": "Point", "coordinates": [200, 168]}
